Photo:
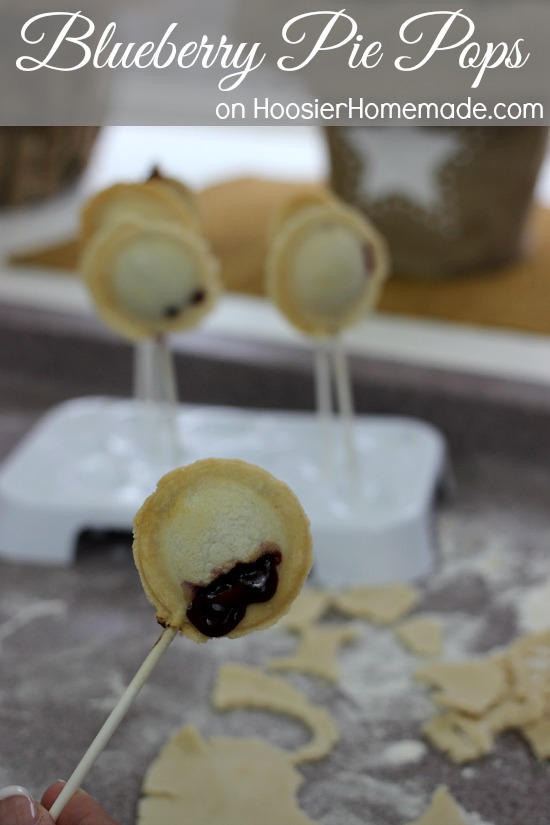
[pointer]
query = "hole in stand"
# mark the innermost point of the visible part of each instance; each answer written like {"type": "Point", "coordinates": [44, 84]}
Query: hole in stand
{"type": "Point", "coordinates": [112, 545]}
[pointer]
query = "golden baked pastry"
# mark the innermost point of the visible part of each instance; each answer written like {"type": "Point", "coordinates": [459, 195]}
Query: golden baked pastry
{"type": "Point", "coordinates": [147, 279]}
{"type": "Point", "coordinates": [325, 266]}
{"type": "Point", "coordinates": [222, 548]}
{"type": "Point", "coordinates": [157, 199]}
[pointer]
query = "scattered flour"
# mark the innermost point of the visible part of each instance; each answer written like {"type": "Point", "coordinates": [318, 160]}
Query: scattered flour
{"type": "Point", "coordinates": [534, 609]}
{"type": "Point", "coordinates": [54, 607]}
{"type": "Point", "coordinates": [403, 753]}
{"type": "Point", "coordinates": [476, 819]}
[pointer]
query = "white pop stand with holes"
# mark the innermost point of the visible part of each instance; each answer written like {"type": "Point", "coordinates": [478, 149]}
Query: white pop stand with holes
{"type": "Point", "coordinates": [89, 464]}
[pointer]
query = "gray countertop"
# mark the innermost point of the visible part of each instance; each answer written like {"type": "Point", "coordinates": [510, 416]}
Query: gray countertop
{"type": "Point", "coordinates": [71, 638]}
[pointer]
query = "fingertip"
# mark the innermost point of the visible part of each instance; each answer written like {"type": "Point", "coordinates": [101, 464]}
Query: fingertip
{"type": "Point", "coordinates": [81, 808]}
{"type": "Point", "coordinates": [50, 794]}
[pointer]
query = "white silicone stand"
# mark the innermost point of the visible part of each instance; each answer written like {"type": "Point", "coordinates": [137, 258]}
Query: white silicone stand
{"type": "Point", "coordinates": [89, 464]}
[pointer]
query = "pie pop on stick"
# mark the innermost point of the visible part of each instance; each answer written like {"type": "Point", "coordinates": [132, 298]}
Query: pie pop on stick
{"type": "Point", "coordinates": [148, 279]}
{"type": "Point", "coordinates": [158, 199]}
{"type": "Point", "coordinates": [325, 269]}
{"type": "Point", "coordinates": [222, 548]}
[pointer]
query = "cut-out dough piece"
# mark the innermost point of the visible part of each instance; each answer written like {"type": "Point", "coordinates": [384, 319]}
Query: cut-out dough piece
{"type": "Point", "coordinates": [514, 713]}
{"type": "Point", "coordinates": [308, 606]}
{"type": "Point", "coordinates": [471, 686]}
{"type": "Point", "coordinates": [529, 661]}
{"type": "Point", "coordinates": [537, 735]}
{"type": "Point", "coordinates": [218, 781]}
{"type": "Point", "coordinates": [317, 651]}
{"type": "Point", "coordinates": [462, 738]}
{"type": "Point", "coordinates": [222, 548]}
{"type": "Point", "coordinates": [421, 635]}
{"type": "Point", "coordinates": [383, 605]}
{"type": "Point", "coordinates": [149, 279]}
{"type": "Point", "coordinates": [240, 686]}
{"type": "Point", "coordinates": [508, 691]}
{"type": "Point", "coordinates": [443, 810]}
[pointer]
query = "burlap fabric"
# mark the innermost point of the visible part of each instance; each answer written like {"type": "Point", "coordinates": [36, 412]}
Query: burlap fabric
{"type": "Point", "coordinates": [482, 192]}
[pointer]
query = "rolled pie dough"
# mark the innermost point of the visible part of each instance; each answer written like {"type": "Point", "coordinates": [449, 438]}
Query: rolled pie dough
{"type": "Point", "coordinates": [382, 605]}
{"type": "Point", "coordinates": [220, 781]}
{"type": "Point", "coordinates": [317, 651]}
{"type": "Point", "coordinates": [508, 691]}
{"type": "Point", "coordinates": [443, 810]}
{"type": "Point", "coordinates": [240, 686]}
{"type": "Point", "coordinates": [421, 635]}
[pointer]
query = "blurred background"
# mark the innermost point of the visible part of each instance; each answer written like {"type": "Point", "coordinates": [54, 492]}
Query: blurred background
{"type": "Point", "coordinates": [465, 213]}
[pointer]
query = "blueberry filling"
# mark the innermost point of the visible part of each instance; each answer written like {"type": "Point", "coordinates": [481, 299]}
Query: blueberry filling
{"type": "Point", "coordinates": [197, 297]}
{"type": "Point", "coordinates": [217, 608]}
{"type": "Point", "coordinates": [172, 311]}
{"type": "Point", "coordinates": [369, 259]}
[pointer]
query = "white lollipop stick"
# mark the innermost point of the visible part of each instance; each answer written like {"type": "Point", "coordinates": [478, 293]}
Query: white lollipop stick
{"type": "Point", "coordinates": [112, 722]}
{"type": "Point", "coordinates": [143, 370]}
{"type": "Point", "coordinates": [346, 413]}
{"type": "Point", "coordinates": [323, 402]}
{"type": "Point", "coordinates": [168, 393]}
{"type": "Point", "coordinates": [155, 386]}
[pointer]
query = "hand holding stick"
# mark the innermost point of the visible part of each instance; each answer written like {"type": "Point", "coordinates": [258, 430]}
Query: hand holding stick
{"type": "Point", "coordinates": [112, 722]}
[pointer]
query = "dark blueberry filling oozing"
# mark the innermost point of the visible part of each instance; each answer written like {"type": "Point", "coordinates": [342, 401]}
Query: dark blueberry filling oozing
{"type": "Point", "coordinates": [195, 298]}
{"type": "Point", "coordinates": [369, 259]}
{"type": "Point", "coordinates": [171, 311]}
{"type": "Point", "coordinates": [217, 608]}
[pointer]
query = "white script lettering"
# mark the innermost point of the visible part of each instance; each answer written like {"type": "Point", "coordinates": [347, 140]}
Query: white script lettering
{"type": "Point", "coordinates": [322, 44]}
{"type": "Point", "coordinates": [472, 55]}
{"type": "Point", "coordinates": [243, 57]}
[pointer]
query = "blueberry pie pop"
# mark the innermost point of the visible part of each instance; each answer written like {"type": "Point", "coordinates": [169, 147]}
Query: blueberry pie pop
{"type": "Point", "coordinates": [326, 265]}
{"type": "Point", "coordinates": [222, 548]}
{"type": "Point", "coordinates": [157, 199]}
{"type": "Point", "coordinates": [325, 269]}
{"type": "Point", "coordinates": [148, 279]}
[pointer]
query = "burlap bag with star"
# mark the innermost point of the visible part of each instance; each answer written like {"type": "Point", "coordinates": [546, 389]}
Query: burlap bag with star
{"type": "Point", "coordinates": [447, 199]}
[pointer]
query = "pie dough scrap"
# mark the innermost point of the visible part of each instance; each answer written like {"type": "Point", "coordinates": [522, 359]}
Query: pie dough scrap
{"type": "Point", "coordinates": [384, 604]}
{"type": "Point", "coordinates": [326, 266]}
{"type": "Point", "coordinates": [460, 737]}
{"type": "Point", "coordinates": [508, 691]}
{"type": "Point", "coordinates": [526, 708]}
{"type": "Point", "coordinates": [306, 609]}
{"type": "Point", "coordinates": [240, 686]}
{"type": "Point", "coordinates": [529, 662]}
{"type": "Point", "coordinates": [222, 548]}
{"type": "Point", "coordinates": [471, 686]}
{"type": "Point", "coordinates": [218, 781]}
{"type": "Point", "coordinates": [147, 279]}
{"type": "Point", "coordinates": [514, 713]}
{"type": "Point", "coordinates": [537, 735]}
{"type": "Point", "coordinates": [317, 651]}
{"type": "Point", "coordinates": [160, 200]}
{"type": "Point", "coordinates": [443, 810]}
{"type": "Point", "coordinates": [421, 635]}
